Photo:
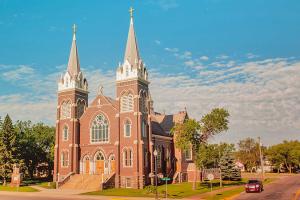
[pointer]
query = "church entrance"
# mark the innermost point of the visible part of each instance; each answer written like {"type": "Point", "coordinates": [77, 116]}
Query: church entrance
{"type": "Point", "coordinates": [112, 164]}
{"type": "Point", "coordinates": [86, 163]}
{"type": "Point", "coordinates": [99, 163]}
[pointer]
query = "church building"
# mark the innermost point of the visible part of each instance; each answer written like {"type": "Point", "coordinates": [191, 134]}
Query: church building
{"type": "Point", "coordinates": [115, 142]}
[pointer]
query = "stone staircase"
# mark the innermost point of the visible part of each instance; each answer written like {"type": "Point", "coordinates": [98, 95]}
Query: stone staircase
{"type": "Point", "coordinates": [83, 182]}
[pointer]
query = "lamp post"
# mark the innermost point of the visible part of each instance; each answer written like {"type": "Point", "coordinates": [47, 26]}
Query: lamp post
{"type": "Point", "coordinates": [155, 166]}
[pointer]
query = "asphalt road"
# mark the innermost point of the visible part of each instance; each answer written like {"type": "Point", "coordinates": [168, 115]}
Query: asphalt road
{"type": "Point", "coordinates": [283, 189]}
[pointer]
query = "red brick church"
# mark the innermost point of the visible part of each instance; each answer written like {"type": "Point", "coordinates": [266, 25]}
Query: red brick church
{"type": "Point", "coordinates": [110, 141]}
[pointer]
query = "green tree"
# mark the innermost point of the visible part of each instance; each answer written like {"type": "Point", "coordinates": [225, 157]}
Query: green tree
{"type": "Point", "coordinates": [7, 149]}
{"type": "Point", "coordinates": [285, 154]}
{"type": "Point", "coordinates": [193, 134]}
{"type": "Point", "coordinates": [248, 153]}
{"type": "Point", "coordinates": [228, 168]}
{"type": "Point", "coordinates": [35, 145]}
{"type": "Point", "coordinates": [210, 154]}
{"type": "Point", "coordinates": [1, 123]}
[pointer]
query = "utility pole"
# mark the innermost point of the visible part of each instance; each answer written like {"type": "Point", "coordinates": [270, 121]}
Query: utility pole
{"type": "Point", "coordinates": [261, 160]}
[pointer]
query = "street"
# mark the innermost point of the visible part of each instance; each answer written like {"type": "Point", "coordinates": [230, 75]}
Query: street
{"type": "Point", "coordinates": [283, 189]}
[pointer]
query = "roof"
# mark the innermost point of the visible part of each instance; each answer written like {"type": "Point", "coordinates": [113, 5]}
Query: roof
{"type": "Point", "coordinates": [162, 124]}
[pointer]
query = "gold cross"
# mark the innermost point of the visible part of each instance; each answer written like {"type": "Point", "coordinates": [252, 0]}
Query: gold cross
{"type": "Point", "coordinates": [74, 28]}
{"type": "Point", "coordinates": [131, 11]}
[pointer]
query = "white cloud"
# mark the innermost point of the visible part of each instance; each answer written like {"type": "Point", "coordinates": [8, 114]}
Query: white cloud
{"type": "Point", "coordinates": [157, 42]}
{"type": "Point", "coordinates": [204, 58]}
{"type": "Point", "coordinates": [17, 73]}
{"type": "Point", "coordinates": [251, 56]}
{"type": "Point", "coordinates": [262, 96]}
{"type": "Point", "coordinates": [173, 50]}
{"type": "Point", "coordinates": [222, 57]}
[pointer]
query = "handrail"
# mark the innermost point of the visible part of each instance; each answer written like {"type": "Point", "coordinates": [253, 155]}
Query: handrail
{"type": "Point", "coordinates": [65, 179]}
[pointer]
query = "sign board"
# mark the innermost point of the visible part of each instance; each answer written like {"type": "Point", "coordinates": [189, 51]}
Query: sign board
{"type": "Point", "coordinates": [210, 177]}
{"type": "Point", "coordinates": [166, 179]}
{"type": "Point", "coordinates": [214, 171]}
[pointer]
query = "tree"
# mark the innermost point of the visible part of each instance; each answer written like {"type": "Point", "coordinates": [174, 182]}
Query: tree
{"type": "Point", "coordinates": [248, 153]}
{"type": "Point", "coordinates": [35, 146]}
{"type": "Point", "coordinates": [193, 134]}
{"type": "Point", "coordinates": [285, 154]}
{"type": "Point", "coordinates": [7, 148]}
{"type": "Point", "coordinates": [228, 167]}
{"type": "Point", "coordinates": [210, 154]}
{"type": "Point", "coordinates": [1, 123]}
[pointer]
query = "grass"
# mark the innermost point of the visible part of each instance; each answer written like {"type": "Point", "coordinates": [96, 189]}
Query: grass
{"type": "Point", "coordinates": [174, 190]}
{"type": "Point", "coordinates": [47, 185]}
{"type": "Point", "coordinates": [15, 189]}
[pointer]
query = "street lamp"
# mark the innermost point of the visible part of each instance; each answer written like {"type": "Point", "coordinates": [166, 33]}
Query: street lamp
{"type": "Point", "coordinates": [155, 166]}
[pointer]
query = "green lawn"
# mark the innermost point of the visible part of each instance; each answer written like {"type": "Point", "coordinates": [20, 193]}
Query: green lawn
{"type": "Point", "coordinates": [174, 190]}
{"type": "Point", "coordinates": [48, 185]}
{"type": "Point", "coordinates": [20, 189]}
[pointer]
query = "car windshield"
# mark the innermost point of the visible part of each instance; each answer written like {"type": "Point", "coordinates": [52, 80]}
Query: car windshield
{"type": "Point", "coordinates": [253, 181]}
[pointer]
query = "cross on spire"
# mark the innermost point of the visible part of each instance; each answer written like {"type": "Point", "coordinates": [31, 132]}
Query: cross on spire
{"type": "Point", "coordinates": [131, 11]}
{"type": "Point", "coordinates": [74, 29]}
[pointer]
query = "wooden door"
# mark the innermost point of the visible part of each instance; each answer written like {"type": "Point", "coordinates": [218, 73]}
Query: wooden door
{"type": "Point", "coordinates": [99, 166]}
{"type": "Point", "coordinates": [87, 167]}
{"type": "Point", "coordinates": [112, 166]}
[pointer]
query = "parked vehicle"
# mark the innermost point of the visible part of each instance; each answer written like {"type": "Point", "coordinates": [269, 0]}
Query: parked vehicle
{"type": "Point", "coordinates": [254, 186]}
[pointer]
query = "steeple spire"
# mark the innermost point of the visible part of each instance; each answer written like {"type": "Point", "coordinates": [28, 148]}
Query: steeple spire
{"type": "Point", "coordinates": [73, 65]}
{"type": "Point", "coordinates": [131, 52]}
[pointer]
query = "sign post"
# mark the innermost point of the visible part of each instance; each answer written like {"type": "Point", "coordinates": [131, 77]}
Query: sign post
{"type": "Point", "coordinates": [166, 179]}
{"type": "Point", "coordinates": [210, 177]}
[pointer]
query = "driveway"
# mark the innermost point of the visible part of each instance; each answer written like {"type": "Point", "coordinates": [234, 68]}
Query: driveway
{"type": "Point", "coordinates": [283, 189]}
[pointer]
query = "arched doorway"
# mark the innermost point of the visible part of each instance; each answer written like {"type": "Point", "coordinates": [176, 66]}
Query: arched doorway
{"type": "Point", "coordinates": [86, 165]}
{"type": "Point", "coordinates": [112, 164]}
{"type": "Point", "coordinates": [99, 163]}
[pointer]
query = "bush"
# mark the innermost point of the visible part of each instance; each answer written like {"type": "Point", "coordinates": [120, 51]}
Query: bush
{"type": "Point", "coordinates": [150, 189]}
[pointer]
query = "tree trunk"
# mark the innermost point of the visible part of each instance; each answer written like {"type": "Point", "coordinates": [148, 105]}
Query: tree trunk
{"type": "Point", "coordinates": [4, 181]}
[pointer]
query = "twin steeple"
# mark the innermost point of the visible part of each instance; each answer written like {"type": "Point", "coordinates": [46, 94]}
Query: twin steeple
{"type": "Point", "coordinates": [133, 66]}
{"type": "Point", "coordinates": [73, 78]}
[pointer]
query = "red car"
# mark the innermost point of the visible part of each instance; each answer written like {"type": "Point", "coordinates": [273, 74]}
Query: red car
{"type": "Point", "coordinates": [254, 186]}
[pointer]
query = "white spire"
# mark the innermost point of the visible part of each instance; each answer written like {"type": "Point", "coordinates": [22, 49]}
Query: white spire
{"type": "Point", "coordinates": [132, 51]}
{"type": "Point", "coordinates": [73, 65]}
{"type": "Point", "coordinates": [73, 78]}
{"type": "Point", "coordinates": [133, 66]}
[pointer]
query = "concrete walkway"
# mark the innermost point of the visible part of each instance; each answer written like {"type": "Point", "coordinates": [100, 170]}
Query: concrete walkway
{"type": "Point", "coordinates": [57, 194]}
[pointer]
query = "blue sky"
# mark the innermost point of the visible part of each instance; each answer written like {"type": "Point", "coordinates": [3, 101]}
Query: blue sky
{"type": "Point", "coordinates": [243, 55]}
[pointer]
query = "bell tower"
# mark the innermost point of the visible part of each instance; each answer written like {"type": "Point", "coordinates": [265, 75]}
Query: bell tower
{"type": "Point", "coordinates": [132, 95]}
{"type": "Point", "coordinates": [72, 102]}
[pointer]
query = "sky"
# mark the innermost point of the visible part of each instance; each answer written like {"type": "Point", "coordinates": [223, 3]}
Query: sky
{"type": "Point", "coordinates": [201, 54]}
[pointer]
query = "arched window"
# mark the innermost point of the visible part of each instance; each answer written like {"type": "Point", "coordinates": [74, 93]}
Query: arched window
{"type": "Point", "coordinates": [99, 156]}
{"type": "Point", "coordinates": [65, 159]}
{"type": "Point", "coordinates": [127, 157]}
{"type": "Point", "coordinates": [66, 110]}
{"type": "Point", "coordinates": [144, 128]}
{"type": "Point", "coordinates": [127, 128]}
{"type": "Point", "coordinates": [65, 133]}
{"type": "Point", "coordinates": [80, 108]}
{"type": "Point", "coordinates": [188, 154]}
{"type": "Point", "coordinates": [99, 129]}
{"type": "Point", "coordinates": [127, 103]}
{"type": "Point", "coordinates": [158, 157]}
